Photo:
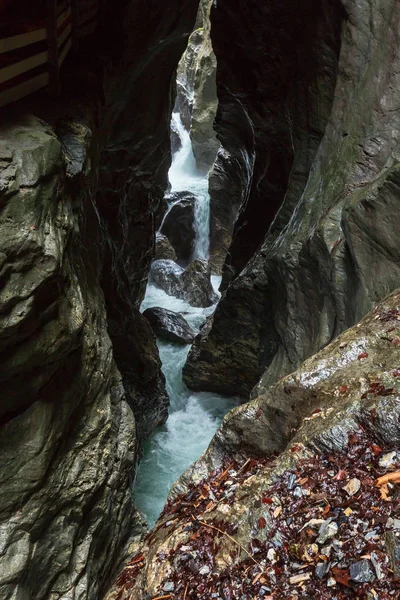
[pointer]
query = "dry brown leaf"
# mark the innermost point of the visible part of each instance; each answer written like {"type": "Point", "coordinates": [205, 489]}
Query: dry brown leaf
{"type": "Point", "coordinates": [389, 477]}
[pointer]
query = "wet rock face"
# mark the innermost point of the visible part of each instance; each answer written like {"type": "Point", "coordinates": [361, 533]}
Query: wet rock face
{"type": "Point", "coordinates": [192, 284]}
{"type": "Point", "coordinates": [204, 143]}
{"type": "Point", "coordinates": [274, 103]}
{"type": "Point", "coordinates": [196, 99]}
{"type": "Point", "coordinates": [294, 487]}
{"type": "Point", "coordinates": [323, 265]}
{"type": "Point", "coordinates": [79, 367]}
{"type": "Point", "coordinates": [226, 196]}
{"type": "Point", "coordinates": [164, 248]}
{"type": "Point", "coordinates": [67, 436]}
{"type": "Point", "coordinates": [169, 325]}
{"type": "Point", "coordinates": [178, 225]}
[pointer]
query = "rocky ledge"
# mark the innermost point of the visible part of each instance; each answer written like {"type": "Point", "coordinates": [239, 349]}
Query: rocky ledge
{"type": "Point", "coordinates": [298, 492]}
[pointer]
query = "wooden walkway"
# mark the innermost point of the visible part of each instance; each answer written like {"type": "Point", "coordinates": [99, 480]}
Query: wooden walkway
{"type": "Point", "coordinates": [33, 52]}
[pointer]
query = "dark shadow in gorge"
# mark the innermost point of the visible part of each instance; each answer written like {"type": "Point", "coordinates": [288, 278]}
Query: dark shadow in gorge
{"type": "Point", "coordinates": [275, 86]}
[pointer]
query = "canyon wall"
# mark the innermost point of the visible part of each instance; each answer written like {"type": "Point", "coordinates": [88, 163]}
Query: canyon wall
{"type": "Point", "coordinates": [81, 180]}
{"type": "Point", "coordinates": [315, 94]}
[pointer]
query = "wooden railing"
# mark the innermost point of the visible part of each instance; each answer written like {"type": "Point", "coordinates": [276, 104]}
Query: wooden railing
{"type": "Point", "coordinates": [31, 59]}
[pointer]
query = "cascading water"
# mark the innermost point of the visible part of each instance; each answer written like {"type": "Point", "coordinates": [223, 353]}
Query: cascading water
{"type": "Point", "coordinates": [194, 417]}
{"type": "Point", "coordinates": [184, 176]}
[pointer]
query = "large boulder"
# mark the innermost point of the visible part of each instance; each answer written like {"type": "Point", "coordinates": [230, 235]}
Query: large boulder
{"type": "Point", "coordinates": [164, 248]}
{"type": "Point", "coordinates": [169, 325]}
{"type": "Point", "coordinates": [167, 275]}
{"type": "Point", "coordinates": [192, 284]}
{"type": "Point", "coordinates": [297, 487]}
{"type": "Point", "coordinates": [197, 284]}
{"type": "Point", "coordinates": [178, 224]}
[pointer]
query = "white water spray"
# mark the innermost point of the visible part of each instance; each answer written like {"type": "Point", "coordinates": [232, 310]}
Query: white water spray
{"type": "Point", "coordinates": [183, 176]}
{"type": "Point", "coordinates": [193, 417]}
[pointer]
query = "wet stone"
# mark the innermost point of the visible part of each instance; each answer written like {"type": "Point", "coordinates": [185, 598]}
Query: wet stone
{"type": "Point", "coordinates": [388, 459]}
{"type": "Point", "coordinates": [362, 571]}
{"type": "Point", "coordinates": [327, 531]}
{"type": "Point", "coordinates": [169, 586]}
{"type": "Point", "coordinates": [322, 569]}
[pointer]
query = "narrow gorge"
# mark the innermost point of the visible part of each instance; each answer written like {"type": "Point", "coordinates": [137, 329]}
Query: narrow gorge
{"type": "Point", "coordinates": [200, 300]}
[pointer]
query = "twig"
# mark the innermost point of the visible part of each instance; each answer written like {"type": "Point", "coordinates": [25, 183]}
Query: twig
{"type": "Point", "coordinates": [231, 538]}
{"type": "Point", "coordinates": [184, 595]}
{"type": "Point", "coordinates": [163, 597]}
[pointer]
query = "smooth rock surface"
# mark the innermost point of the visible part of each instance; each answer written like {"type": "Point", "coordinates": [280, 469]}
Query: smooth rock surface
{"type": "Point", "coordinates": [192, 284]}
{"type": "Point", "coordinates": [169, 325]}
{"type": "Point", "coordinates": [164, 248]}
{"type": "Point", "coordinates": [331, 252]}
{"type": "Point", "coordinates": [178, 225]}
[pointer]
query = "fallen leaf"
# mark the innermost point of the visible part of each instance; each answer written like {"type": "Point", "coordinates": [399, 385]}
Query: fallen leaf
{"type": "Point", "coordinates": [341, 576]}
{"type": "Point", "coordinates": [262, 523]}
{"type": "Point", "coordinates": [389, 477]}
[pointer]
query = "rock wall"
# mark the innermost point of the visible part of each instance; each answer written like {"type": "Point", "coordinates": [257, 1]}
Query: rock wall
{"type": "Point", "coordinates": [288, 496]}
{"type": "Point", "coordinates": [275, 87]}
{"type": "Point", "coordinates": [197, 91]}
{"type": "Point", "coordinates": [330, 253]}
{"type": "Point", "coordinates": [81, 180]}
{"type": "Point", "coordinates": [204, 142]}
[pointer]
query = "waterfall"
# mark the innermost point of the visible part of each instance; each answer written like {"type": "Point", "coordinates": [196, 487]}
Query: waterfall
{"type": "Point", "coordinates": [183, 176]}
{"type": "Point", "coordinates": [193, 417]}
{"type": "Point", "coordinates": [183, 166]}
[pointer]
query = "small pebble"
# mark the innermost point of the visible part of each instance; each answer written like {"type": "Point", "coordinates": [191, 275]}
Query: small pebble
{"type": "Point", "coordinates": [327, 531]}
{"type": "Point", "coordinates": [322, 569]}
{"type": "Point", "coordinates": [353, 487]}
{"type": "Point", "coordinates": [169, 586]}
{"type": "Point", "coordinates": [362, 572]}
{"type": "Point", "coordinates": [388, 459]}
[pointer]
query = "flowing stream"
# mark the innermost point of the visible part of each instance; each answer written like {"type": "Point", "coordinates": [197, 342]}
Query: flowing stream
{"type": "Point", "coordinates": [193, 417]}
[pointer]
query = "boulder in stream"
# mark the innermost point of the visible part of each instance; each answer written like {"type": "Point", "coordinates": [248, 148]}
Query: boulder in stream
{"type": "Point", "coordinates": [192, 284]}
{"type": "Point", "coordinates": [167, 275]}
{"type": "Point", "coordinates": [164, 248]}
{"type": "Point", "coordinates": [178, 224]}
{"type": "Point", "coordinates": [197, 284]}
{"type": "Point", "coordinates": [169, 325]}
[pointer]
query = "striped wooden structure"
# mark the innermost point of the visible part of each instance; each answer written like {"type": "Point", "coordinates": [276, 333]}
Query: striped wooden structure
{"type": "Point", "coordinates": [33, 53]}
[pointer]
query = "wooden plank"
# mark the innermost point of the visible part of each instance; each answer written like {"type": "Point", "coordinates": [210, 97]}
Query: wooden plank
{"type": "Point", "coordinates": [20, 41]}
{"type": "Point", "coordinates": [64, 35]}
{"type": "Point", "coordinates": [63, 17]}
{"type": "Point", "coordinates": [64, 53]}
{"type": "Point", "coordinates": [24, 89]}
{"type": "Point", "coordinates": [22, 66]}
{"type": "Point", "coordinates": [61, 6]}
{"type": "Point", "coordinates": [52, 46]}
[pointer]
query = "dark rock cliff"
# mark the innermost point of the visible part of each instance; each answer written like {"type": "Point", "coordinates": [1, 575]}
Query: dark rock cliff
{"type": "Point", "coordinates": [327, 71]}
{"type": "Point", "coordinates": [80, 186]}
